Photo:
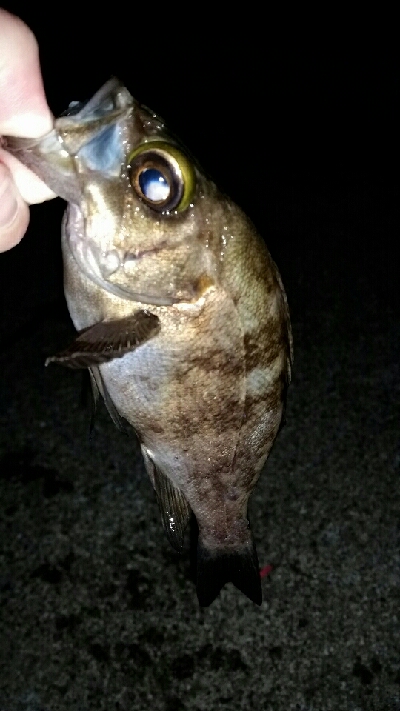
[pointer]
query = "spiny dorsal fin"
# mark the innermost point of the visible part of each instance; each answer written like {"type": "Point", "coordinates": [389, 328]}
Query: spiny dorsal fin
{"type": "Point", "coordinates": [108, 340]}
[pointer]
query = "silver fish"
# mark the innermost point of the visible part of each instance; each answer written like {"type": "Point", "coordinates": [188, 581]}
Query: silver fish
{"type": "Point", "coordinates": [182, 319]}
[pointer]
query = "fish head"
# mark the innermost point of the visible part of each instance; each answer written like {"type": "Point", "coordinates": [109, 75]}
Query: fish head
{"type": "Point", "coordinates": [139, 206]}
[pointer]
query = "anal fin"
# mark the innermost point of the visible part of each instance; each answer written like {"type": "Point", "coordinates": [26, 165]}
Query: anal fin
{"type": "Point", "coordinates": [174, 507]}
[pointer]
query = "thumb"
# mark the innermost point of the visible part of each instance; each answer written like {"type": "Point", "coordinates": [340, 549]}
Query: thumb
{"type": "Point", "coordinates": [23, 112]}
{"type": "Point", "coordinates": [14, 212]}
{"type": "Point", "coordinates": [23, 106]}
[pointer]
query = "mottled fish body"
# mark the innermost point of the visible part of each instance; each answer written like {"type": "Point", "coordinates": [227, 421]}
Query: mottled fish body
{"type": "Point", "coordinates": [182, 319]}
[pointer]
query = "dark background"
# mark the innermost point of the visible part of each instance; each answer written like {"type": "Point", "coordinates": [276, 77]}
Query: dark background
{"type": "Point", "coordinates": [299, 126]}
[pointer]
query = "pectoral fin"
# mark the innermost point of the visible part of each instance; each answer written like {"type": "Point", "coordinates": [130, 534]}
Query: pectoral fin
{"type": "Point", "coordinates": [108, 340]}
{"type": "Point", "coordinates": [174, 507]}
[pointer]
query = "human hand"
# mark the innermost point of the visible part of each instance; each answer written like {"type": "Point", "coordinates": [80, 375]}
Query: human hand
{"type": "Point", "coordinates": [23, 112]}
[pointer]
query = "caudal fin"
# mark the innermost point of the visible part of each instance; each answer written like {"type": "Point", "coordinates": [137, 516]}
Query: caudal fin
{"type": "Point", "coordinates": [220, 566]}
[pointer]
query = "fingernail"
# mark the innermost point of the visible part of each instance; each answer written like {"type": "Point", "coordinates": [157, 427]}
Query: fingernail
{"type": "Point", "coordinates": [8, 202]}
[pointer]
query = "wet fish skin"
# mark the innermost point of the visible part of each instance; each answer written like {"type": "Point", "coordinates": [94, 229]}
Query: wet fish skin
{"type": "Point", "coordinates": [204, 384]}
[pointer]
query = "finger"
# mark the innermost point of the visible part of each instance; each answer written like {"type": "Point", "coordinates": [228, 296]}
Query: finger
{"type": "Point", "coordinates": [23, 106]}
{"type": "Point", "coordinates": [14, 212]}
{"type": "Point", "coordinates": [32, 189]}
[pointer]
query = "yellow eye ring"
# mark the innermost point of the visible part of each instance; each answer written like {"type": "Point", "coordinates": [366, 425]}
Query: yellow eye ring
{"type": "Point", "coordinates": [162, 176]}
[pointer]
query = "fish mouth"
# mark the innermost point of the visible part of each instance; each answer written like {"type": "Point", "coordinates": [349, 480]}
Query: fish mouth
{"type": "Point", "coordinates": [99, 265]}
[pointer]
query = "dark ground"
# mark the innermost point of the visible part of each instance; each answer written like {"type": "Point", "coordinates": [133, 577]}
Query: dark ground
{"type": "Point", "coordinates": [96, 610]}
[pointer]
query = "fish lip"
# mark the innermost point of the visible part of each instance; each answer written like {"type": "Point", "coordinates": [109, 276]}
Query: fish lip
{"type": "Point", "coordinates": [108, 88]}
{"type": "Point", "coordinates": [84, 251]}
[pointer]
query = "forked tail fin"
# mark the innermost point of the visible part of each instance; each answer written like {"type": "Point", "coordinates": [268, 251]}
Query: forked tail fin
{"type": "Point", "coordinates": [223, 565]}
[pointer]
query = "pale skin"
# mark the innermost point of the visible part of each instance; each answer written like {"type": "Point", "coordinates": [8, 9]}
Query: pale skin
{"type": "Point", "coordinates": [23, 112]}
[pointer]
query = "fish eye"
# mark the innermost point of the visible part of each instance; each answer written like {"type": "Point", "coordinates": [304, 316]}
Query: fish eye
{"type": "Point", "coordinates": [162, 176]}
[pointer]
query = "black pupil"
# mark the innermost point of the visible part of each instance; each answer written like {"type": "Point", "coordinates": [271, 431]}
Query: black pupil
{"type": "Point", "coordinates": [154, 185]}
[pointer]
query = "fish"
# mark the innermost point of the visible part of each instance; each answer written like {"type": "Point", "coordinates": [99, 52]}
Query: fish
{"type": "Point", "coordinates": [181, 316]}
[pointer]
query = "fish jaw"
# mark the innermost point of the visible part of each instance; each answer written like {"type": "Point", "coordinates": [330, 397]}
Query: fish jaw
{"type": "Point", "coordinates": [97, 263]}
{"type": "Point", "coordinates": [58, 157]}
